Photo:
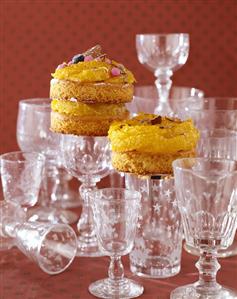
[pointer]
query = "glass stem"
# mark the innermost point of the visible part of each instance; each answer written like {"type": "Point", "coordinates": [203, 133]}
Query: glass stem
{"type": "Point", "coordinates": [49, 185]}
{"type": "Point", "coordinates": [207, 266]}
{"type": "Point", "coordinates": [116, 270]}
{"type": "Point", "coordinates": [85, 225]}
{"type": "Point", "coordinates": [62, 184]}
{"type": "Point", "coordinates": [163, 85]}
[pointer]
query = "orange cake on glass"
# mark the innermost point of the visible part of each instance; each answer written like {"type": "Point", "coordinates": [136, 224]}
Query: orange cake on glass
{"type": "Point", "coordinates": [89, 93]}
{"type": "Point", "coordinates": [148, 143]}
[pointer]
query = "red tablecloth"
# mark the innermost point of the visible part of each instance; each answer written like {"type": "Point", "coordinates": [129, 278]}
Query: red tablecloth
{"type": "Point", "coordinates": [20, 278]}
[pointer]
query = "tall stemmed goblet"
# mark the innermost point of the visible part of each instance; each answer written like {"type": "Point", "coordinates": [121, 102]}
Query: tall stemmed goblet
{"type": "Point", "coordinates": [88, 159]}
{"type": "Point", "coordinates": [206, 191]}
{"type": "Point", "coordinates": [33, 134]}
{"type": "Point", "coordinates": [163, 54]}
{"type": "Point", "coordinates": [115, 213]}
{"type": "Point", "coordinates": [216, 120]}
{"type": "Point", "coordinates": [52, 246]}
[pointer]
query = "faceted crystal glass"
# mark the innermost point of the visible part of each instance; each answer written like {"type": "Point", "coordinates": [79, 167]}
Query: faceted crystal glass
{"type": "Point", "coordinates": [88, 159]}
{"type": "Point", "coordinates": [206, 190]}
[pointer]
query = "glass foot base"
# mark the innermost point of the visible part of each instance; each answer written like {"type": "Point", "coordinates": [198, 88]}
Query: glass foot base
{"type": "Point", "coordinates": [88, 249]}
{"type": "Point", "coordinates": [68, 200]}
{"type": "Point", "coordinates": [154, 272]}
{"type": "Point", "coordinates": [126, 288]}
{"type": "Point", "coordinates": [52, 215]}
{"type": "Point", "coordinates": [190, 292]}
{"type": "Point", "coordinates": [230, 251]}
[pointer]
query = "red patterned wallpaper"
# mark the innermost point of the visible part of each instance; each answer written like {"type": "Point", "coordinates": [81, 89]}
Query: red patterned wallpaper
{"type": "Point", "coordinates": [37, 35]}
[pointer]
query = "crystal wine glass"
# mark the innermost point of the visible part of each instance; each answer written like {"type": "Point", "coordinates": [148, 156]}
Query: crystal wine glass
{"type": "Point", "coordinates": [88, 159]}
{"type": "Point", "coordinates": [115, 213]}
{"type": "Point", "coordinates": [163, 54]}
{"type": "Point", "coordinates": [206, 191]}
{"type": "Point", "coordinates": [33, 134]}
{"type": "Point", "coordinates": [52, 246]}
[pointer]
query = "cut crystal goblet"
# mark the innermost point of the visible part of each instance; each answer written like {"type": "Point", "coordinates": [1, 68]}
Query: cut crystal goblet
{"type": "Point", "coordinates": [216, 120]}
{"type": "Point", "coordinates": [88, 159]}
{"type": "Point", "coordinates": [206, 190]}
{"type": "Point", "coordinates": [115, 213]}
{"type": "Point", "coordinates": [163, 54]}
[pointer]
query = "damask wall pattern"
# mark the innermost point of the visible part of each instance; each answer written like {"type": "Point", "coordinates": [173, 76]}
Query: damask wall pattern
{"type": "Point", "coordinates": [36, 35]}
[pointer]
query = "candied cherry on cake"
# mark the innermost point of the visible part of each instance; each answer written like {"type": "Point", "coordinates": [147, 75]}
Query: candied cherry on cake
{"type": "Point", "coordinates": [78, 58]}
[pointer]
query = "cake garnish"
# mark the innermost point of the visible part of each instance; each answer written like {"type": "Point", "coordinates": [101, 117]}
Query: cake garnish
{"type": "Point", "coordinates": [115, 71]}
{"type": "Point", "coordinates": [157, 120]}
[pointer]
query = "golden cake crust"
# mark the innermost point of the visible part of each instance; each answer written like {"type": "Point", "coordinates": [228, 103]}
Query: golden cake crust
{"type": "Point", "coordinates": [144, 163]}
{"type": "Point", "coordinates": [91, 92]}
{"type": "Point", "coordinates": [77, 125]}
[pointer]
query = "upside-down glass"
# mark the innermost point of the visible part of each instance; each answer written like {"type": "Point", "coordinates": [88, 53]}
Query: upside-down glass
{"type": "Point", "coordinates": [88, 159]}
{"type": "Point", "coordinates": [158, 242]}
{"type": "Point", "coordinates": [33, 134]}
{"type": "Point", "coordinates": [115, 212]}
{"type": "Point", "coordinates": [206, 191]}
{"type": "Point", "coordinates": [146, 98]}
{"type": "Point", "coordinates": [216, 118]}
{"type": "Point", "coordinates": [52, 246]}
{"type": "Point", "coordinates": [163, 54]}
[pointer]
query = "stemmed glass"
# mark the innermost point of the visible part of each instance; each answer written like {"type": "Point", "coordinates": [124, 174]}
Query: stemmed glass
{"type": "Point", "coordinates": [52, 246]}
{"type": "Point", "coordinates": [163, 54]}
{"type": "Point", "coordinates": [88, 159]}
{"type": "Point", "coordinates": [115, 213]}
{"type": "Point", "coordinates": [33, 134]}
{"type": "Point", "coordinates": [206, 191]}
{"type": "Point", "coordinates": [216, 120]}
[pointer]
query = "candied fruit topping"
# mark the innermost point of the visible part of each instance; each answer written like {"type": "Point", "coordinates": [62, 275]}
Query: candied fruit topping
{"type": "Point", "coordinates": [94, 66]}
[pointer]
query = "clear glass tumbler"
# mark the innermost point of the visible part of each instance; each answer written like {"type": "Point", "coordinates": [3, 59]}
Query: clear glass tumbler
{"type": "Point", "coordinates": [21, 174]}
{"type": "Point", "coordinates": [52, 246]}
{"type": "Point", "coordinates": [158, 242]}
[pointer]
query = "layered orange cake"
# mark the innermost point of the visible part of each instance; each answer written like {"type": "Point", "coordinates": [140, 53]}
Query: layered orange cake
{"type": "Point", "coordinates": [148, 143]}
{"type": "Point", "coordinates": [89, 93]}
